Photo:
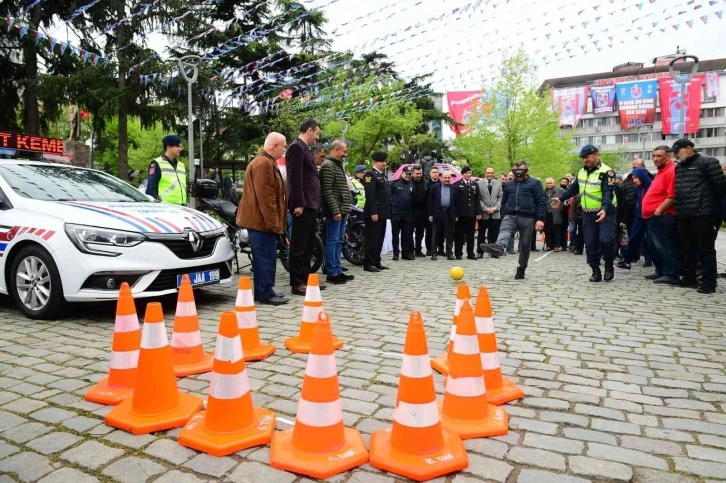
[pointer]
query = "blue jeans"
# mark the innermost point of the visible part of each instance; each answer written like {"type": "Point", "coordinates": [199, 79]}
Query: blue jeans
{"type": "Point", "coordinates": [334, 238]}
{"type": "Point", "coordinates": [264, 263]}
{"type": "Point", "coordinates": [663, 231]}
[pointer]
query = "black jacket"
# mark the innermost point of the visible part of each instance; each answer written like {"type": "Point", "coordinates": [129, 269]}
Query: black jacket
{"type": "Point", "coordinates": [700, 185]}
{"type": "Point", "coordinates": [628, 200]}
{"type": "Point", "coordinates": [378, 195]}
{"type": "Point", "coordinates": [435, 201]}
{"type": "Point", "coordinates": [420, 197]}
{"type": "Point", "coordinates": [526, 199]}
{"type": "Point", "coordinates": [401, 191]}
{"type": "Point", "coordinates": [469, 201]}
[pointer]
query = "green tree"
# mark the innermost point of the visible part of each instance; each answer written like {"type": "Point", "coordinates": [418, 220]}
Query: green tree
{"type": "Point", "coordinates": [514, 121]}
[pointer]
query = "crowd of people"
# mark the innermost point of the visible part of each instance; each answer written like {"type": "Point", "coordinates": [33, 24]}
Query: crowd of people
{"type": "Point", "coordinates": [670, 219]}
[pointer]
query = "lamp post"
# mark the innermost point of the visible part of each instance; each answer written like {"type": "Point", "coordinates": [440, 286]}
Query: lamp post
{"type": "Point", "coordinates": [683, 77]}
{"type": "Point", "coordinates": [641, 137]}
{"type": "Point", "coordinates": [190, 62]}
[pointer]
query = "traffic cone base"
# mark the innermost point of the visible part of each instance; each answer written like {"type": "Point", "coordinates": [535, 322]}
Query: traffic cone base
{"type": "Point", "coordinates": [262, 352]}
{"type": "Point", "coordinates": [495, 424]}
{"type": "Point", "coordinates": [450, 458]}
{"type": "Point", "coordinates": [284, 456]}
{"type": "Point", "coordinates": [249, 330]}
{"type": "Point", "coordinates": [102, 393]}
{"type": "Point", "coordinates": [205, 365]}
{"type": "Point", "coordinates": [507, 393]}
{"type": "Point", "coordinates": [441, 364]}
{"type": "Point", "coordinates": [196, 436]}
{"type": "Point", "coordinates": [299, 346]}
{"type": "Point", "coordinates": [123, 417]}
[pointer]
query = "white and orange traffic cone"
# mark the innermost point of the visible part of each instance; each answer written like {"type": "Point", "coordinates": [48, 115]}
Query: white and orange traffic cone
{"type": "Point", "coordinates": [441, 363]}
{"type": "Point", "coordinates": [231, 422]}
{"type": "Point", "coordinates": [464, 407]}
{"type": "Point", "coordinates": [500, 389]}
{"type": "Point", "coordinates": [312, 307]}
{"type": "Point", "coordinates": [121, 380]}
{"type": "Point", "coordinates": [249, 331]}
{"type": "Point", "coordinates": [417, 446]}
{"type": "Point", "coordinates": [156, 403]}
{"type": "Point", "coordinates": [187, 351]}
{"type": "Point", "coordinates": [319, 445]}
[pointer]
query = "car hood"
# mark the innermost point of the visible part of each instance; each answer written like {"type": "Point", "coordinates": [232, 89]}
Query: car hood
{"type": "Point", "coordinates": [137, 217]}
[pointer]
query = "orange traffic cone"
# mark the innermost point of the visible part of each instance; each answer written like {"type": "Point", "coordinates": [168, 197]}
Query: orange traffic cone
{"type": "Point", "coordinates": [119, 384]}
{"type": "Point", "coordinates": [319, 445]}
{"type": "Point", "coordinates": [244, 308]}
{"type": "Point", "coordinates": [417, 447]}
{"type": "Point", "coordinates": [231, 423]}
{"type": "Point", "coordinates": [500, 389]}
{"type": "Point", "coordinates": [441, 363]}
{"type": "Point", "coordinates": [187, 351]}
{"type": "Point", "coordinates": [312, 307]}
{"type": "Point", "coordinates": [156, 403]}
{"type": "Point", "coordinates": [464, 407]}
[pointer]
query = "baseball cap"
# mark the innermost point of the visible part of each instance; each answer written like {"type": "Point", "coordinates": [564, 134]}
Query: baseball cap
{"type": "Point", "coordinates": [680, 144]}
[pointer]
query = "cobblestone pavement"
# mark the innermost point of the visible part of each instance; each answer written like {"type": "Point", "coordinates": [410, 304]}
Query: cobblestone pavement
{"type": "Point", "coordinates": [624, 381]}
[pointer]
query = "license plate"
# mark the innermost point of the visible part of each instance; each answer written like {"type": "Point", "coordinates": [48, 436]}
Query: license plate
{"type": "Point", "coordinates": [200, 278]}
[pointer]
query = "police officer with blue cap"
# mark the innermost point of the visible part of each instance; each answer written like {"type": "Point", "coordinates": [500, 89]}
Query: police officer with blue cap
{"type": "Point", "coordinates": [595, 183]}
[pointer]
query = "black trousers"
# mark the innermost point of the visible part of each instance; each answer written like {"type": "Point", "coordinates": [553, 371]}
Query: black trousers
{"type": "Point", "coordinates": [422, 229]}
{"type": "Point", "coordinates": [465, 229]}
{"type": "Point", "coordinates": [552, 233]}
{"type": "Point", "coordinates": [402, 226]}
{"type": "Point", "coordinates": [301, 245]}
{"type": "Point", "coordinates": [698, 241]}
{"type": "Point", "coordinates": [564, 226]}
{"type": "Point", "coordinates": [488, 231]}
{"type": "Point", "coordinates": [443, 230]}
{"type": "Point", "coordinates": [375, 233]}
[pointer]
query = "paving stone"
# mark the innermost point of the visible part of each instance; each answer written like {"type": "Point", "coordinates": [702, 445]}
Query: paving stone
{"type": "Point", "coordinates": [645, 475]}
{"type": "Point", "coordinates": [175, 476]}
{"type": "Point", "coordinates": [210, 465]}
{"type": "Point", "coordinates": [533, 425]}
{"type": "Point", "coordinates": [68, 475]}
{"type": "Point", "coordinates": [701, 453]}
{"type": "Point", "coordinates": [653, 446]}
{"type": "Point", "coordinates": [487, 468]}
{"type": "Point", "coordinates": [539, 476]}
{"type": "Point", "coordinates": [26, 432]}
{"type": "Point", "coordinates": [81, 423]}
{"type": "Point", "coordinates": [24, 405]}
{"type": "Point", "coordinates": [700, 468]}
{"type": "Point", "coordinates": [563, 418]}
{"type": "Point", "coordinates": [7, 449]}
{"type": "Point", "coordinates": [546, 403]}
{"type": "Point", "coordinates": [588, 435]}
{"type": "Point", "coordinates": [711, 440]}
{"type": "Point", "coordinates": [695, 426]}
{"type": "Point", "coordinates": [537, 457]}
{"type": "Point", "coordinates": [258, 473]}
{"type": "Point", "coordinates": [52, 415]}
{"type": "Point", "coordinates": [129, 440]}
{"type": "Point", "coordinates": [133, 469]}
{"type": "Point", "coordinates": [9, 420]}
{"type": "Point", "coordinates": [170, 451]}
{"type": "Point", "coordinates": [615, 426]}
{"type": "Point", "coordinates": [582, 465]}
{"type": "Point", "coordinates": [599, 411]}
{"type": "Point", "coordinates": [560, 445]}
{"type": "Point", "coordinates": [669, 434]}
{"type": "Point", "coordinates": [53, 442]}
{"type": "Point", "coordinates": [487, 447]}
{"type": "Point", "coordinates": [27, 466]}
{"type": "Point", "coordinates": [624, 455]}
{"type": "Point", "coordinates": [91, 454]}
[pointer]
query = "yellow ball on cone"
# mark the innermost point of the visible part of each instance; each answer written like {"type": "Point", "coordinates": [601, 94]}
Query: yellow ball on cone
{"type": "Point", "coordinates": [457, 273]}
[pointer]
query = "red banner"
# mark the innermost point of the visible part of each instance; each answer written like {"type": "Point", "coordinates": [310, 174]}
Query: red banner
{"type": "Point", "coordinates": [461, 105]}
{"type": "Point", "coordinates": [670, 104]}
{"type": "Point", "coordinates": [570, 103]}
{"type": "Point", "coordinates": [636, 103]}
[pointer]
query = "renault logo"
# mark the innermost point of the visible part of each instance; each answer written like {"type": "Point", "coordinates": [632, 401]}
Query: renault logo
{"type": "Point", "coordinates": [194, 241]}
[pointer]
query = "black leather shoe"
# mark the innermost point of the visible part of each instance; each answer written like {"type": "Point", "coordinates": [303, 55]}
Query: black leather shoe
{"type": "Point", "coordinates": [434, 257]}
{"type": "Point", "coordinates": [347, 277]}
{"type": "Point", "coordinates": [648, 264]}
{"type": "Point", "coordinates": [371, 269]}
{"type": "Point", "coordinates": [706, 290]}
{"type": "Point", "coordinates": [345, 269]}
{"type": "Point", "coordinates": [450, 257]}
{"type": "Point", "coordinates": [472, 257]}
{"type": "Point", "coordinates": [420, 254]}
{"type": "Point", "coordinates": [335, 279]}
{"type": "Point", "coordinates": [688, 283]}
{"type": "Point", "coordinates": [652, 276]}
{"type": "Point", "coordinates": [381, 267]}
{"type": "Point", "coordinates": [458, 257]}
{"type": "Point", "coordinates": [596, 275]}
{"type": "Point", "coordinates": [520, 274]}
{"type": "Point", "coordinates": [395, 256]}
{"type": "Point", "coordinates": [408, 257]}
{"type": "Point", "coordinates": [274, 301]}
{"type": "Point", "coordinates": [609, 272]}
{"type": "Point", "coordinates": [624, 265]}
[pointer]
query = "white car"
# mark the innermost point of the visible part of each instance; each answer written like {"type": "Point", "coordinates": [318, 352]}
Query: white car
{"type": "Point", "coordinates": [75, 234]}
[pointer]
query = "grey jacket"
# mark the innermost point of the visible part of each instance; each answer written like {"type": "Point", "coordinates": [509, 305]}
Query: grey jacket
{"type": "Point", "coordinates": [490, 201]}
{"type": "Point", "coordinates": [556, 192]}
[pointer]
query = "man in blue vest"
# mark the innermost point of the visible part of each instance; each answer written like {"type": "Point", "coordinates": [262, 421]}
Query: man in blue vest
{"type": "Point", "coordinates": [167, 179]}
{"type": "Point", "coordinates": [595, 183]}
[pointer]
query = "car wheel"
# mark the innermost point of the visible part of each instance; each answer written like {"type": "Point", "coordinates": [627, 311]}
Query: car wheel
{"type": "Point", "coordinates": [35, 284]}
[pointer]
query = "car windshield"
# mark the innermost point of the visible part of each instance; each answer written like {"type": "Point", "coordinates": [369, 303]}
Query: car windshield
{"type": "Point", "coordinates": [54, 182]}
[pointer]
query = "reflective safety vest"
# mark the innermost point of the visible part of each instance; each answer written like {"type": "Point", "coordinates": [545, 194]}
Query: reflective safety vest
{"type": "Point", "coordinates": [360, 192]}
{"type": "Point", "coordinates": [591, 188]}
{"type": "Point", "coordinates": [173, 182]}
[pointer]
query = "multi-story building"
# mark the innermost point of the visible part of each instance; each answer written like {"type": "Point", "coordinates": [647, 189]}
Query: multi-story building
{"type": "Point", "coordinates": [604, 130]}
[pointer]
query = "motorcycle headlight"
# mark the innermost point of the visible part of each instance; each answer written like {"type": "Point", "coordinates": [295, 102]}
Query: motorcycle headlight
{"type": "Point", "coordinates": [89, 239]}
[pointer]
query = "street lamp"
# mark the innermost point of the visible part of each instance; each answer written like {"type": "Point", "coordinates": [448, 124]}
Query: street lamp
{"type": "Point", "coordinates": [190, 62]}
{"type": "Point", "coordinates": [641, 137]}
{"type": "Point", "coordinates": [683, 76]}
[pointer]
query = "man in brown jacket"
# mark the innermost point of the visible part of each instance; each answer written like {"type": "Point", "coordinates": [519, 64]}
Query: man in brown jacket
{"type": "Point", "coordinates": [262, 211]}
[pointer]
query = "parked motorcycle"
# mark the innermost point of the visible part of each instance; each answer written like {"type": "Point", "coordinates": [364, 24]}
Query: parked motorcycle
{"type": "Point", "coordinates": [354, 246]}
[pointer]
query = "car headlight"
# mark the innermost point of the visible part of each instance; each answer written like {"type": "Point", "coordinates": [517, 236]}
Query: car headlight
{"type": "Point", "coordinates": [89, 239]}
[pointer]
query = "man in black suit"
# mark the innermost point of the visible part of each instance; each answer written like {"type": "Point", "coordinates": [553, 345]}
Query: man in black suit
{"type": "Point", "coordinates": [303, 201]}
{"type": "Point", "coordinates": [377, 211]}
{"type": "Point", "coordinates": [469, 212]}
{"type": "Point", "coordinates": [443, 210]}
